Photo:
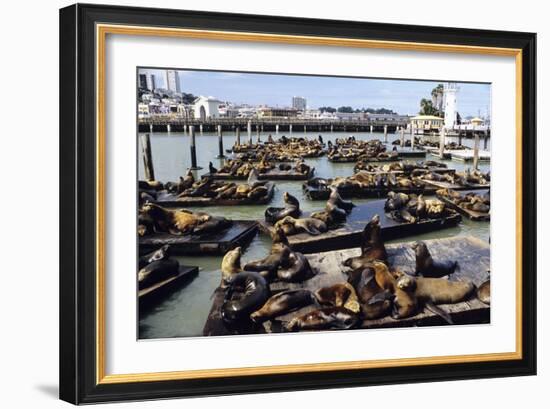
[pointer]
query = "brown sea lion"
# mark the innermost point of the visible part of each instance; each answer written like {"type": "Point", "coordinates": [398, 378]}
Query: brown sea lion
{"type": "Point", "coordinates": [247, 291]}
{"type": "Point", "coordinates": [484, 292]}
{"type": "Point", "coordinates": [159, 254]}
{"type": "Point", "coordinates": [309, 225]}
{"type": "Point", "coordinates": [298, 270]}
{"type": "Point", "coordinates": [176, 222]}
{"type": "Point", "coordinates": [375, 302]}
{"type": "Point", "coordinates": [427, 267]}
{"type": "Point", "coordinates": [372, 246]}
{"type": "Point", "coordinates": [283, 303]}
{"type": "Point", "coordinates": [405, 303]}
{"type": "Point", "coordinates": [231, 264]}
{"type": "Point", "coordinates": [268, 266]}
{"type": "Point", "coordinates": [323, 318]}
{"type": "Point", "coordinates": [339, 295]}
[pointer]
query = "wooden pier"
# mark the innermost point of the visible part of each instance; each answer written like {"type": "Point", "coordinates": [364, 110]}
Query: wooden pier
{"type": "Point", "coordinates": [240, 233]}
{"type": "Point", "coordinates": [274, 174]}
{"type": "Point", "coordinates": [314, 193]}
{"type": "Point", "coordinates": [349, 234]}
{"type": "Point", "coordinates": [171, 200]}
{"type": "Point", "coordinates": [472, 254]}
{"type": "Point", "coordinates": [454, 186]}
{"type": "Point", "coordinates": [149, 296]}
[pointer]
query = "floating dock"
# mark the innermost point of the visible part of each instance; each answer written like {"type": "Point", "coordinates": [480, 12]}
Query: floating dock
{"type": "Point", "coordinates": [314, 193]}
{"type": "Point", "coordinates": [454, 186]}
{"type": "Point", "coordinates": [349, 234]}
{"type": "Point", "coordinates": [470, 214]}
{"type": "Point", "coordinates": [149, 296]}
{"type": "Point", "coordinates": [240, 233]}
{"type": "Point", "coordinates": [274, 174]}
{"type": "Point", "coordinates": [472, 254]}
{"type": "Point", "coordinates": [171, 200]}
{"type": "Point", "coordinates": [468, 156]}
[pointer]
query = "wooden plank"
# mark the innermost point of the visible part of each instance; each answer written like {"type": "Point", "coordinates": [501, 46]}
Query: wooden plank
{"type": "Point", "coordinates": [472, 254]}
{"type": "Point", "coordinates": [151, 295]}
{"type": "Point", "coordinates": [240, 233]}
{"type": "Point", "coordinates": [447, 185]}
{"type": "Point", "coordinates": [313, 193]}
{"type": "Point", "coordinates": [273, 174]}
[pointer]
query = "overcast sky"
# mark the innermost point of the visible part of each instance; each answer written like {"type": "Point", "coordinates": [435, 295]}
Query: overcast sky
{"type": "Point", "coordinates": [402, 96]}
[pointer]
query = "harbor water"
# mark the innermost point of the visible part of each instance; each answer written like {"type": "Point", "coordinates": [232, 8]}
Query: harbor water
{"type": "Point", "coordinates": [184, 312]}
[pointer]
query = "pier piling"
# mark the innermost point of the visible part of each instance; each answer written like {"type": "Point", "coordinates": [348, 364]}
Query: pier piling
{"type": "Point", "coordinates": [238, 132]}
{"type": "Point", "coordinates": [193, 148]}
{"type": "Point", "coordinates": [200, 129]}
{"type": "Point", "coordinates": [258, 134]}
{"type": "Point", "coordinates": [442, 142]}
{"type": "Point", "coordinates": [476, 150]}
{"type": "Point", "coordinates": [277, 129]}
{"type": "Point", "coordinates": [371, 128]}
{"type": "Point", "coordinates": [459, 138]}
{"type": "Point", "coordinates": [290, 130]}
{"type": "Point", "coordinates": [147, 157]}
{"type": "Point", "coordinates": [249, 131]}
{"type": "Point", "coordinates": [402, 137]}
{"type": "Point", "coordinates": [220, 143]}
{"type": "Point", "coordinates": [485, 140]}
{"type": "Point", "coordinates": [151, 128]}
{"type": "Point", "coordinates": [412, 138]}
{"type": "Point", "coordinates": [385, 133]}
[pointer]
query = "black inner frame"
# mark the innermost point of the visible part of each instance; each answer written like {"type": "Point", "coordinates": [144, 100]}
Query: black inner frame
{"type": "Point", "coordinates": [78, 198]}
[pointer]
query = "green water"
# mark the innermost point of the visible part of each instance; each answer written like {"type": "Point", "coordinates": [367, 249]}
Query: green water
{"type": "Point", "coordinates": [184, 312]}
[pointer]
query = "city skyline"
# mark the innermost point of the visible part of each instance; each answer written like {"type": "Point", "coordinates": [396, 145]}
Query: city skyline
{"type": "Point", "coordinates": [402, 96]}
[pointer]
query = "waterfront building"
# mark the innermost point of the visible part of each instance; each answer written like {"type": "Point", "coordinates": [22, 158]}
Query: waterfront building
{"type": "Point", "coordinates": [206, 107]}
{"type": "Point", "coordinates": [476, 121]}
{"type": "Point", "coordinates": [350, 116]}
{"type": "Point", "coordinates": [388, 117]}
{"type": "Point", "coordinates": [450, 104]}
{"type": "Point", "coordinates": [270, 112]}
{"type": "Point", "coordinates": [427, 123]}
{"type": "Point", "coordinates": [173, 81]}
{"type": "Point", "coordinates": [143, 110]}
{"type": "Point", "coordinates": [299, 103]}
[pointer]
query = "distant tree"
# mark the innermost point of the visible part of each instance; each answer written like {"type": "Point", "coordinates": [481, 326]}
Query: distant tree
{"type": "Point", "coordinates": [346, 109]}
{"type": "Point", "coordinates": [437, 97]}
{"type": "Point", "coordinates": [458, 119]}
{"type": "Point", "coordinates": [328, 109]}
{"type": "Point", "coordinates": [427, 108]}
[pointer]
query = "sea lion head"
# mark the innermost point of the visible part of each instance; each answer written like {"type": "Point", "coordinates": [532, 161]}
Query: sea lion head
{"type": "Point", "coordinates": [406, 283]}
{"type": "Point", "coordinates": [279, 236]}
{"type": "Point", "coordinates": [420, 248]}
{"type": "Point", "coordinates": [153, 210]}
{"type": "Point", "coordinates": [232, 260]}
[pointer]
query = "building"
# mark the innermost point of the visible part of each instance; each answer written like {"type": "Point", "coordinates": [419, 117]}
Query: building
{"type": "Point", "coordinates": [299, 103]}
{"type": "Point", "coordinates": [206, 107]}
{"type": "Point", "coordinates": [173, 81]}
{"type": "Point", "coordinates": [426, 123]}
{"type": "Point", "coordinates": [450, 104]}
{"type": "Point", "coordinates": [142, 81]}
{"type": "Point", "coordinates": [270, 112]}
{"type": "Point", "coordinates": [476, 121]}
{"type": "Point", "coordinates": [388, 117]}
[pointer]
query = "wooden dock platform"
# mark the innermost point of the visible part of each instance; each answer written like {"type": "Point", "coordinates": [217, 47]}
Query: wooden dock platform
{"type": "Point", "coordinates": [472, 254]}
{"type": "Point", "coordinates": [314, 193]}
{"type": "Point", "coordinates": [470, 214]}
{"type": "Point", "coordinates": [240, 233]}
{"type": "Point", "coordinates": [447, 185]}
{"type": "Point", "coordinates": [171, 200]}
{"type": "Point", "coordinates": [468, 155]}
{"type": "Point", "coordinates": [149, 296]}
{"type": "Point", "coordinates": [274, 174]}
{"type": "Point", "coordinates": [349, 234]}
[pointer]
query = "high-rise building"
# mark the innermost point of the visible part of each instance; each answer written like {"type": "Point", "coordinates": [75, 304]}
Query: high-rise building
{"type": "Point", "coordinates": [299, 103]}
{"type": "Point", "coordinates": [142, 81]}
{"type": "Point", "coordinates": [173, 81]}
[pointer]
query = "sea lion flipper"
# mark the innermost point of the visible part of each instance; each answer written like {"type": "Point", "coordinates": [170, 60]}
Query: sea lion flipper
{"type": "Point", "coordinates": [439, 311]}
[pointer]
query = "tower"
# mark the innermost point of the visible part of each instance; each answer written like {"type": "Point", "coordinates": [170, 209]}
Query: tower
{"type": "Point", "coordinates": [173, 81]}
{"type": "Point", "coordinates": [449, 104]}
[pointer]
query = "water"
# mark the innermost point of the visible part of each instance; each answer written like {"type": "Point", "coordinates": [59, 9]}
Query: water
{"type": "Point", "coordinates": [184, 312]}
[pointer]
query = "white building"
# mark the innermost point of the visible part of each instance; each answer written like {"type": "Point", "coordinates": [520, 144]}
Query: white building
{"type": "Point", "coordinates": [299, 103]}
{"type": "Point", "coordinates": [206, 107]}
{"type": "Point", "coordinates": [173, 81]}
{"type": "Point", "coordinates": [450, 104]}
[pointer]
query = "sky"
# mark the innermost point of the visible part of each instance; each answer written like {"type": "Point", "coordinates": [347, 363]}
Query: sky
{"type": "Point", "coordinates": [402, 96]}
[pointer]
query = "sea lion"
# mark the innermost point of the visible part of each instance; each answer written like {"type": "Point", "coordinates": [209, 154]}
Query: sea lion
{"type": "Point", "coordinates": [375, 302]}
{"type": "Point", "coordinates": [257, 193]}
{"type": "Point", "coordinates": [253, 180]}
{"type": "Point", "coordinates": [298, 271]}
{"type": "Point", "coordinates": [157, 271]}
{"type": "Point", "coordinates": [484, 292]}
{"type": "Point", "coordinates": [231, 265]}
{"type": "Point", "coordinates": [337, 200]}
{"type": "Point", "coordinates": [150, 185]}
{"type": "Point", "coordinates": [211, 168]}
{"type": "Point", "coordinates": [339, 295]}
{"type": "Point", "coordinates": [175, 222]}
{"type": "Point", "coordinates": [436, 290]}
{"type": "Point", "coordinates": [420, 207]}
{"type": "Point", "coordinates": [159, 254]}
{"type": "Point", "coordinates": [372, 246]}
{"type": "Point", "coordinates": [309, 225]}
{"type": "Point", "coordinates": [247, 292]}
{"type": "Point", "coordinates": [405, 303]}
{"type": "Point", "coordinates": [268, 266]}
{"type": "Point", "coordinates": [292, 208]}
{"type": "Point", "coordinates": [213, 224]}
{"type": "Point", "coordinates": [283, 303]}
{"type": "Point", "coordinates": [323, 318]}
{"type": "Point", "coordinates": [427, 267]}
